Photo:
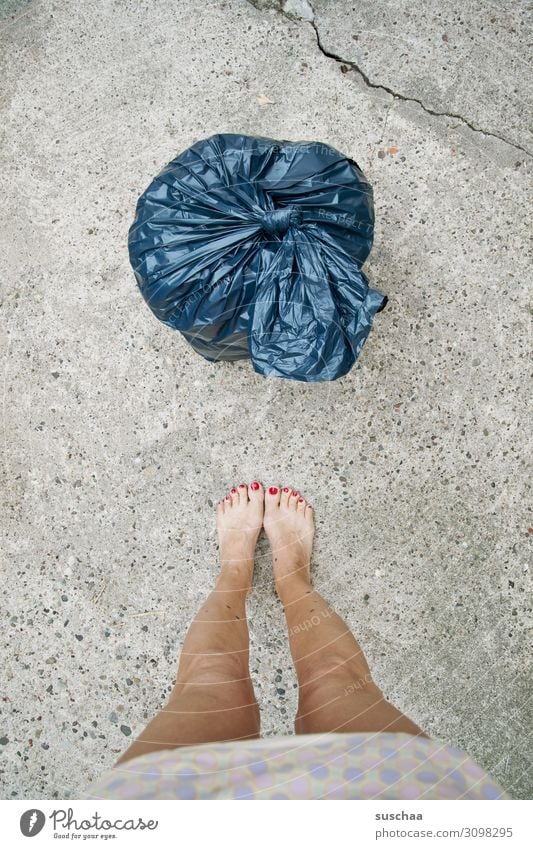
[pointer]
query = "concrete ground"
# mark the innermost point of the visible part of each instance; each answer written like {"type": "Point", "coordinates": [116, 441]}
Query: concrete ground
{"type": "Point", "coordinates": [118, 438]}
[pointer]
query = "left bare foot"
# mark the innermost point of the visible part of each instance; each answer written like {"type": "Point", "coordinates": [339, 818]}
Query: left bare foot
{"type": "Point", "coordinates": [239, 520]}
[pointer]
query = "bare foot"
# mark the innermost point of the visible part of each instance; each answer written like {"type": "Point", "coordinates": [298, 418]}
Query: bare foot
{"type": "Point", "coordinates": [290, 528]}
{"type": "Point", "coordinates": [239, 520]}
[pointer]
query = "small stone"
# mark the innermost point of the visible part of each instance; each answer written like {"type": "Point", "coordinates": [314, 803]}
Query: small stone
{"type": "Point", "coordinates": [4, 741]}
{"type": "Point", "coordinates": [126, 730]}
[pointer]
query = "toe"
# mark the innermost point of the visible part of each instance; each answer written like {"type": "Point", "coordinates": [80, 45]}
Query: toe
{"type": "Point", "coordinates": [255, 491]}
{"type": "Point", "coordinates": [293, 499]}
{"type": "Point", "coordinates": [309, 515]}
{"type": "Point", "coordinates": [300, 505]}
{"type": "Point", "coordinates": [242, 491]}
{"type": "Point", "coordinates": [220, 508]}
{"type": "Point", "coordinates": [285, 493]}
{"type": "Point", "coordinates": [272, 497]}
{"type": "Point", "coordinates": [234, 495]}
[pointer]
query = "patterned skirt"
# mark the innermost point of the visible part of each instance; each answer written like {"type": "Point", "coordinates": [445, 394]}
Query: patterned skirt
{"type": "Point", "coordinates": [314, 766]}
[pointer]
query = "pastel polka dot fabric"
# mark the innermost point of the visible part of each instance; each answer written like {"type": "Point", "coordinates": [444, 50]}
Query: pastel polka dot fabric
{"type": "Point", "coordinates": [317, 766]}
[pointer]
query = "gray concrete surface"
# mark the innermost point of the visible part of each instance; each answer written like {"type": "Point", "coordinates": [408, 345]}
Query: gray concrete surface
{"type": "Point", "coordinates": [118, 438]}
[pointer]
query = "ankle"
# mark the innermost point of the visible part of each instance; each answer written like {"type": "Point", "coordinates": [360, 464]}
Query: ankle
{"type": "Point", "coordinates": [235, 576]}
{"type": "Point", "coordinates": [291, 588]}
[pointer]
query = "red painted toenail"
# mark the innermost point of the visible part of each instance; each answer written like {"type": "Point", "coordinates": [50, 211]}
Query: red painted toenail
{"type": "Point", "coordinates": [242, 486]}
{"type": "Point", "coordinates": [294, 492]}
{"type": "Point", "coordinates": [233, 491]}
{"type": "Point", "coordinates": [273, 490]}
{"type": "Point", "coordinates": [285, 489]}
{"type": "Point", "coordinates": [255, 485]}
{"type": "Point", "coordinates": [300, 501]}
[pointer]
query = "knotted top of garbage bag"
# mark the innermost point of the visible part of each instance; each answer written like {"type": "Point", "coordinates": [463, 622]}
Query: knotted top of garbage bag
{"type": "Point", "coordinates": [252, 247]}
{"type": "Point", "coordinates": [277, 221]}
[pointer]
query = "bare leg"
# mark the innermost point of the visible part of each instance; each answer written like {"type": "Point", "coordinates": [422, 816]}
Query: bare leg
{"type": "Point", "coordinates": [213, 698]}
{"type": "Point", "coordinates": [336, 690]}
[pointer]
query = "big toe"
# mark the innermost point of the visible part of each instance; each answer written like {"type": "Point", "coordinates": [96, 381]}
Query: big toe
{"type": "Point", "coordinates": [272, 498]}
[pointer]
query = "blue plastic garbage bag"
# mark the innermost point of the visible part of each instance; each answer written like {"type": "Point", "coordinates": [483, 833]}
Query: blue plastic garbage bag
{"type": "Point", "coordinates": [252, 247]}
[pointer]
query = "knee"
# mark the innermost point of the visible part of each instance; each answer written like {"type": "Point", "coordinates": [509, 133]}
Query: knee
{"type": "Point", "coordinates": [218, 678]}
{"type": "Point", "coordinates": [335, 669]}
{"type": "Point", "coordinates": [333, 681]}
{"type": "Point", "coordinates": [337, 688]}
{"type": "Point", "coordinates": [218, 667]}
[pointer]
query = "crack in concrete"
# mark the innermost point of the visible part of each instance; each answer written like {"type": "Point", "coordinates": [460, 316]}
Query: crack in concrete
{"type": "Point", "coordinates": [379, 86]}
{"type": "Point", "coordinates": [406, 99]}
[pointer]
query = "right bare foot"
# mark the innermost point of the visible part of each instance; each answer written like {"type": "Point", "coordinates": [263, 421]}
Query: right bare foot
{"type": "Point", "coordinates": [290, 528]}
